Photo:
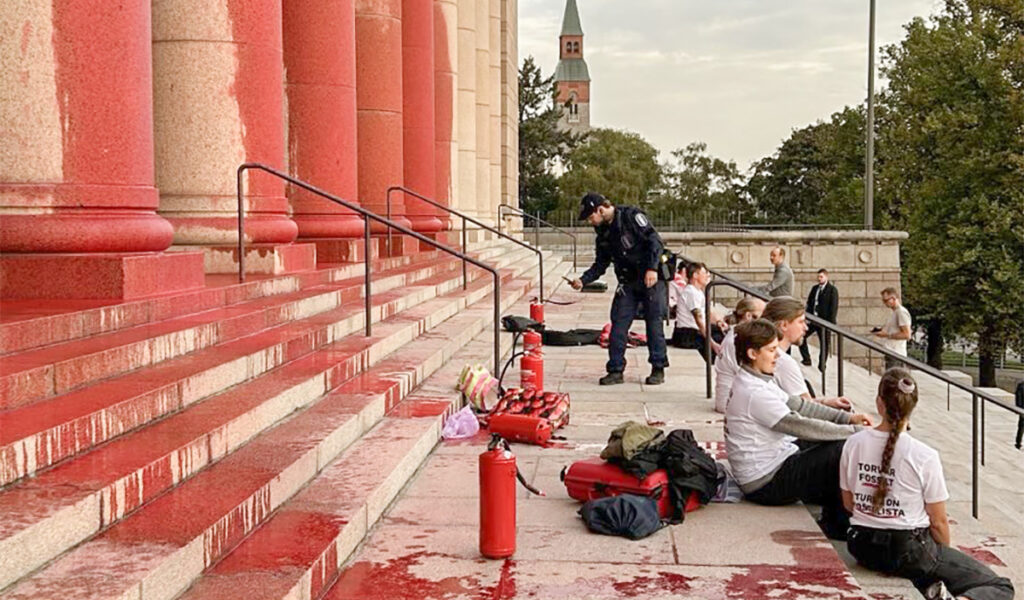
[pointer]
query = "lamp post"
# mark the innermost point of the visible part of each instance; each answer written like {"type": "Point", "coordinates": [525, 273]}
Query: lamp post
{"type": "Point", "coordinates": [869, 168]}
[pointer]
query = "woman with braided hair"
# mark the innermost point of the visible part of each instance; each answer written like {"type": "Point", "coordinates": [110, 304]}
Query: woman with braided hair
{"type": "Point", "coordinates": [892, 485]}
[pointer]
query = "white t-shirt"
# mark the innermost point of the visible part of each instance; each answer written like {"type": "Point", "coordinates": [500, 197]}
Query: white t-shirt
{"type": "Point", "coordinates": [915, 480]}
{"type": "Point", "coordinates": [690, 298]}
{"type": "Point", "coordinates": [754, 407]}
{"type": "Point", "coordinates": [788, 375]}
{"type": "Point", "coordinates": [900, 317]}
{"type": "Point", "coordinates": [726, 369]}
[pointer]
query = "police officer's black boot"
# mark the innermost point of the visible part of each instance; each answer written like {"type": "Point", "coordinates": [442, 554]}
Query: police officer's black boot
{"type": "Point", "coordinates": [657, 376]}
{"type": "Point", "coordinates": [611, 378]}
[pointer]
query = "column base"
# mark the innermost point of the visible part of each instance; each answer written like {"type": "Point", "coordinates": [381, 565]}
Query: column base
{"type": "Point", "coordinates": [100, 276]}
{"type": "Point", "coordinates": [262, 259]}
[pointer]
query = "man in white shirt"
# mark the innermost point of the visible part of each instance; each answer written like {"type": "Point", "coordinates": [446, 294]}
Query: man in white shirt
{"type": "Point", "coordinates": [783, 449]}
{"type": "Point", "coordinates": [896, 331]}
{"type": "Point", "coordinates": [691, 326]}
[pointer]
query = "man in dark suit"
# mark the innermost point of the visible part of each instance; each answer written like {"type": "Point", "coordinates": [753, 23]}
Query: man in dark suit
{"type": "Point", "coordinates": [823, 302]}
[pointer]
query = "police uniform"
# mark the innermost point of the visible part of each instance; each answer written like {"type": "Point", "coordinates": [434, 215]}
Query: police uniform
{"type": "Point", "coordinates": [632, 244]}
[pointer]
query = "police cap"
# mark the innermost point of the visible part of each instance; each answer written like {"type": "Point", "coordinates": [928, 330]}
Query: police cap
{"type": "Point", "coordinates": [589, 204]}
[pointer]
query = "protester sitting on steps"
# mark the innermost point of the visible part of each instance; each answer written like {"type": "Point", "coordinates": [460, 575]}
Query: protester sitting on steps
{"type": "Point", "coordinates": [726, 367]}
{"type": "Point", "coordinates": [789, 316]}
{"type": "Point", "coordinates": [892, 485]}
{"type": "Point", "coordinates": [783, 449]}
{"type": "Point", "coordinates": [691, 325]}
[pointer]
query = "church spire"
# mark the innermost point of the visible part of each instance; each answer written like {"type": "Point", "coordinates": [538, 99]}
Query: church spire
{"type": "Point", "coordinates": [571, 20]}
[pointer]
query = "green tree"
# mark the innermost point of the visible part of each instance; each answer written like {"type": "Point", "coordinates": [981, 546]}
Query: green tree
{"type": "Point", "coordinates": [816, 175]}
{"type": "Point", "coordinates": [542, 145]}
{"type": "Point", "coordinates": [953, 170]}
{"type": "Point", "coordinates": [697, 183]}
{"type": "Point", "coordinates": [621, 165]}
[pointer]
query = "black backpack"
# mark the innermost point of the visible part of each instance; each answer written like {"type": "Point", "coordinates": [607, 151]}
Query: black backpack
{"type": "Point", "coordinates": [690, 470]}
{"type": "Point", "coordinates": [573, 337]}
{"type": "Point", "coordinates": [628, 515]}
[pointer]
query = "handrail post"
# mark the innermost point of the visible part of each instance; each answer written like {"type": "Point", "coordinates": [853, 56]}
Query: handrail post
{"type": "Point", "coordinates": [974, 455]}
{"type": "Point", "coordinates": [707, 342]}
{"type": "Point", "coordinates": [464, 251]}
{"type": "Point", "coordinates": [390, 254]}
{"type": "Point", "coordinates": [366, 273]}
{"type": "Point", "coordinates": [839, 359]}
{"type": "Point", "coordinates": [983, 433]}
{"type": "Point", "coordinates": [536, 230]}
{"type": "Point", "coordinates": [574, 267]}
{"type": "Point", "coordinates": [823, 340]}
{"type": "Point", "coordinates": [241, 226]}
{"type": "Point", "coordinates": [497, 320]}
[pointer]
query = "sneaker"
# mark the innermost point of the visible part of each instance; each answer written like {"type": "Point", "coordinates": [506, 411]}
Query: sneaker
{"type": "Point", "coordinates": [938, 591]}
{"type": "Point", "coordinates": [612, 378]}
{"type": "Point", "coordinates": [657, 376]}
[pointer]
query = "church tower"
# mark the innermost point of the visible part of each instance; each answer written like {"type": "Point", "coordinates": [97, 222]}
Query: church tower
{"type": "Point", "coordinates": [572, 75]}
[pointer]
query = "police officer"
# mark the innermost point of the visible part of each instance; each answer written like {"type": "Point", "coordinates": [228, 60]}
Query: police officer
{"type": "Point", "coordinates": [626, 237]}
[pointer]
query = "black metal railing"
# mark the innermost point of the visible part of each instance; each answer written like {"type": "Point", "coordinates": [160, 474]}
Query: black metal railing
{"type": "Point", "coordinates": [536, 228]}
{"type": "Point", "coordinates": [367, 217]}
{"type": "Point", "coordinates": [978, 396]}
{"type": "Point", "coordinates": [465, 217]}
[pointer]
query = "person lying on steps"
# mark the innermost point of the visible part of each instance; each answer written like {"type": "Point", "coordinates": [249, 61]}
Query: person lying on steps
{"type": "Point", "coordinates": [782, 448]}
{"type": "Point", "coordinates": [892, 485]}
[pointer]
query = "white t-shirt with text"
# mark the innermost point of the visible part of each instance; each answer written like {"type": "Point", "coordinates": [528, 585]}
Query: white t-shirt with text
{"type": "Point", "coordinates": [915, 479]}
{"type": "Point", "coordinates": [755, 406]}
{"type": "Point", "coordinates": [788, 375]}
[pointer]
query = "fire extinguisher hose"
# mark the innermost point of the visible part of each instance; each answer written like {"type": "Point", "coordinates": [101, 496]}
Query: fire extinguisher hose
{"type": "Point", "coordinates": [497, 440]}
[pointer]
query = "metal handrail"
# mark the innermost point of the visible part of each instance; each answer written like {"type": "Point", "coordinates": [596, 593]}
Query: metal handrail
{"type": "Point", "coordinates": [465, 217]}
{"type": "Point", "coordinates": [367, 217]}
{"type": "Point", "coordinates": [536, 228]}
{"type": "Point", "coordinates": [978, 396]}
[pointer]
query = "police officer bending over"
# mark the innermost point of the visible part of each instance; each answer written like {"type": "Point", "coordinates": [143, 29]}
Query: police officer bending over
{"type": "Point", "coordinates": [626, 237]}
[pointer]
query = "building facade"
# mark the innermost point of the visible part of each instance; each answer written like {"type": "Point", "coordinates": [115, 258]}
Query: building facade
{"type": "Point", "coordinates": [124, 124]}
{"type": "Point", "coordinates": [572, 75]}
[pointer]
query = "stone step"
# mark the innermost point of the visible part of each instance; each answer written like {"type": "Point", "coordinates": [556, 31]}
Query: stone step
{"type": "Point", "coordinates": [187, 529]}
{"type": "Point", "coordinates": [119, 476]}
{"type": "Point", "coordinates": [298, 552]}
{"type": "Point", "coordinates": [28, 324]}
{"type": "Point", "coordinates": [39, 435]}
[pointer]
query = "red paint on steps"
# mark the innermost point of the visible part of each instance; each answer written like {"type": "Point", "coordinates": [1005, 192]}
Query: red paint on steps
{"type": "Point", "coordinates": [643, 586]}
{"type": "Point", "coordinates": [791, 583]}
{"type": "Point", "coordinates": [983, 555]}
{"type": "Point", "coordinates": [395, 579]}
{"type": "Point", "coordinates": [808, 548]}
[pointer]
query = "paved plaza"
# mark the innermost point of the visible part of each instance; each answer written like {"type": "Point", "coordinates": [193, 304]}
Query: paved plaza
{"type": "Point", "coordinates": [426, 545]}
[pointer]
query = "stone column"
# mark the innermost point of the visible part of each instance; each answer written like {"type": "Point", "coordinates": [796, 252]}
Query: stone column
{"type": "Point", "coordinates": [379, 104]}
{"type": "Point", "coordinates": [218, 97]}
{"type": "Point", "coordinates": [320, 74]}
{"type": "Point", "coordinates": [418, 111]}
{"type": "Point", "coordinates": [77, 197]}
{"type": "Point", "coordinates": [510, 105]}
{"type": "Point", "coordinates": [466, 111]}
{"type": "Point", "coordinates": [494, 90]}
{"type": "Point", "coordinates": [483, 111]}
{"type": "Point", "coordinates": [446, 155]}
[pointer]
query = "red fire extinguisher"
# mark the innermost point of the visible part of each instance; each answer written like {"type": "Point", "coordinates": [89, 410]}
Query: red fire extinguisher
{"type": "Point", "coordinates": [531, 365]}
{"type": "Point", "coordinates": [521, 428]}
{"type": "Point", "coordinates": [498, 474]}
{"type": "Point", "coordinates": [537, 310]}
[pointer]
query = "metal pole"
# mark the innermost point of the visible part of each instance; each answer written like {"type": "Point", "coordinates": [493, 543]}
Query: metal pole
{"type": "Point", "coordinates": [366, 269]}
{"type": "Point", "coordinates": [574, 254]}
{"type": "Point", "coordinates": [389, 229]}
{"type": "Point", "coordinates": [497, 320]}
{"type": "Point", "coordinates": [822, 339]}
{"type": "Point", "coordinates": [839, 359]}
{"type": "Point", "coordinates": [983, 432]}
{"type": "Point", "coordinates": [974, 455]}
{"type": "Point", "coordinates": [869, 168]}
{"type": "Point", "coordinates": [707, 344]}
{"type": "Point", "coordinates": [947, 396]}
{"type": "Point", "coordinates": [464, 251]}
{"type": "Point", "coordinates": [241, 229]}
{"type": "Point", "coordinates": [536, 231]}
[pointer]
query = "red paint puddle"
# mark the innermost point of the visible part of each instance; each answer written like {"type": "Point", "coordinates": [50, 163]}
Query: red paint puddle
{"type": "Point", "coordinates": [662, 582]}
{"type": "Point", "coordinates": [983, 555]}
{"type": "Point", "coordinates": [808, 548]}
{"type": "Point", "coordinates": [420, 408]}
{"type": "Point", "coordinates": [790, 583]}
{"type": "Point", "coordinates": [394, 579]}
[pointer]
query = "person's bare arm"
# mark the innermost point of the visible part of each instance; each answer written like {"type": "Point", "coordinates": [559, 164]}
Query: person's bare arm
{"type": "Point", "coordinates": [848, 500]}
{"type": "Point", "coordinates": [939, 522]}
{"type": "Point", "coordinates": [902, 334]}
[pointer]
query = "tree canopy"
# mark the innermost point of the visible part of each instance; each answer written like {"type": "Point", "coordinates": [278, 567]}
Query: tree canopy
{"type": "Point", "coordinates": [621, 165]}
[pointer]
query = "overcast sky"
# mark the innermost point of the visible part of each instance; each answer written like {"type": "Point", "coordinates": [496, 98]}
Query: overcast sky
{"type": "Point", "coordinates": [739, 75]}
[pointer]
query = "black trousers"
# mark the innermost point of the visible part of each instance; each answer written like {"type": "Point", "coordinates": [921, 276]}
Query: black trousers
{"type": "Point", "coordinates": [823, 345]}
{"type": "Point", "coordinates": [811, 476]}
{"type": "Point", "coordinates": [628, 298]}
{"type": "Point", "coordinates": [690, 337]}
{"type": "Point", "coordinates": [916, 555]}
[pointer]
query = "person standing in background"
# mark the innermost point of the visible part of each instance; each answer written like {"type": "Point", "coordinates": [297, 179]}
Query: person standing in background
{"type": "Point", "coordinates": [822, 302]}
{"type": "Point", "coordinates": [782, 281]}
{"type": "Point", "coordinates": [896, 330]}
